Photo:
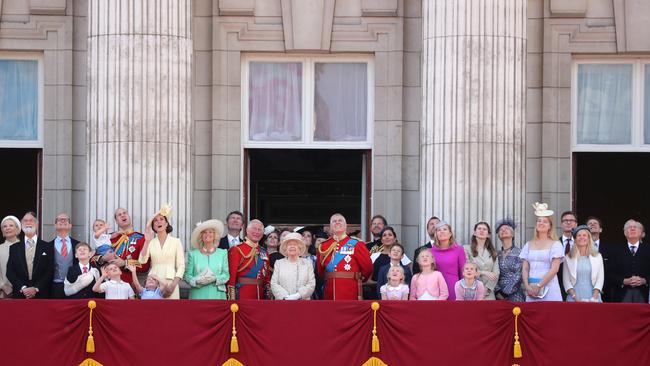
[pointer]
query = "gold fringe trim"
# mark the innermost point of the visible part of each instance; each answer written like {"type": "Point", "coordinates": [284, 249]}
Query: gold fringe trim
{"type": "Point", "coordinates": [517, 347]}
{"type": "Point", "coordinates": [90, 362]}
{"type": "Point", "coordinates": [232, 362]}
{"type": "Point", "coordinates": [374, 361]}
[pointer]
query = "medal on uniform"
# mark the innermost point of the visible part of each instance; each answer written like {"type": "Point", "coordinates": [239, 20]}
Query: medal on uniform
{"type": "Point", "coordinates": [347, 267]}
{"type": "Point", "coordinates": [347, 259]}
{"type": "Point", "coordinates": [131, 249]}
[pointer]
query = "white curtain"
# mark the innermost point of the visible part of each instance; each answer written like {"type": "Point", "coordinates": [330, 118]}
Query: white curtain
{"type": "Point", "coordinates": [274, 104]}
{"type": "Point", "coordinates": [341, 102]}
{"type": "Point", "coordinates": [18, 100]}
{"type": "Point", "coordinates": [646, 105]}
{"type": "Point", "coordinates": [604, 104]}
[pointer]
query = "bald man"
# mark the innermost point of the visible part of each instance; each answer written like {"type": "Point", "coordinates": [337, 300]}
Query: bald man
{"type": "Point", "coordinates": [343, 262]}
{"type": "Point", "coordinates": [248, 264]}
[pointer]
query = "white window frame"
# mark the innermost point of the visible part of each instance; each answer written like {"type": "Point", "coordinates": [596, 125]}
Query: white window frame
{"type": "Point", "coordinates": [32, 56]}
{"type": "Point", "coordinates": [308, 84]}
{"type": "Point", "coordinates": [637, 139]}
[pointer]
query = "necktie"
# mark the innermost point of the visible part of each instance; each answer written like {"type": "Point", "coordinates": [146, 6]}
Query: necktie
{"type": "Point", "coordinates": [64, 248]}
{"type": "Point", "coordinates": [234, 242]}
{"type": "Point", "coordinates": [30, 257]}
{"type": "Point", "coordinates": [567, 247]}
{"type": "Point", "coordinates": [85, 269]}
{"type": "Point", "coordinates": [633, 249]}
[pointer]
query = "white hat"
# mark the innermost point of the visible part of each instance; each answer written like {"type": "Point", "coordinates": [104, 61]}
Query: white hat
{"type": "Point", "coordinates": [213, 224]}
{"type": "Point", "coordinates": [293, 237]}
{"type": "Point", "coordinates": [14, 219]}
{"type": "Point", "coordinates": [541, 210]}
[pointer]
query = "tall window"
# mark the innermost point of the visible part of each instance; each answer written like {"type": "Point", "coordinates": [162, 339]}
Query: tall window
{"type": "Point", "coordinates": [20, 100]}
{"type": "Point", "coordinates": [611, 105]}
{"type": "Point", "coordinates": [312, 102]}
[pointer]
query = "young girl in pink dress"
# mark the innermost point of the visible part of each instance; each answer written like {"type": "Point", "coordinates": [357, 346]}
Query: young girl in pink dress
{"type": "Point", "coordinates": [468, 287]}
{"type": "Point", "coordinates": [395, 289]}
{"type": "Point", "coordinates": [428, 284]}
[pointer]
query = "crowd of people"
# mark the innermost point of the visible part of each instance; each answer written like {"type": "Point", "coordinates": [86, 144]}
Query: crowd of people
{"type": "Point", "coordinates": [328, 263]}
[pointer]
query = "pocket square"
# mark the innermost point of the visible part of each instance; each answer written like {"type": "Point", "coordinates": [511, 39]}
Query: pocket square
{"type": "Point", "coordinates": [44, 253]}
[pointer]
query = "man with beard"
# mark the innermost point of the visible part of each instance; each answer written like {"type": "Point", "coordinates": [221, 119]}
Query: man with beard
{"type": "Point", "coordinates": [31, 263]}
{"type": "Point", "coordinates": [248, 264]}
{"type": "Point", "coordinates": [127, 244]}
{"type": "Point", "coordinates": [377, 224]}
{"type": "Point", "coordinates": [343, 262]}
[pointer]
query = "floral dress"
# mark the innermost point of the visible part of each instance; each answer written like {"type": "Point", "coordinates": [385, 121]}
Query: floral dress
{"type": "Point", "coordinates": [510, 283]}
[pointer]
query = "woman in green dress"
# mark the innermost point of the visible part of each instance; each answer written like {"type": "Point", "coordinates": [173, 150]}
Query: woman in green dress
{"type": "Point", "coordinates": [207, 265]}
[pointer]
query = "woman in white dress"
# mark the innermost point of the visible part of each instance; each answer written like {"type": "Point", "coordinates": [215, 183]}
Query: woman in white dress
{"type": "Point", "coordinates": [542, 258]}
{"type": "Point", "coordinates": [293, 276]}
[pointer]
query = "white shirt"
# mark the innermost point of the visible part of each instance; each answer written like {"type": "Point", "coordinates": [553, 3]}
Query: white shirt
{"type": "Point", "coordinates": [635, 245]}
{"type": "Point", "coordinates": [82, 266]}
{"type": "Point", "coordinates": [34, 239]}
{"type": "Point", "coordinates": [564, 239]}
{"type": "Point", "coordinates": [117, 290]}
{"type": "Point", "coordinates": [233, 240]}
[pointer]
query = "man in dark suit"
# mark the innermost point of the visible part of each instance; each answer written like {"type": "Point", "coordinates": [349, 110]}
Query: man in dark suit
{"type": "Point", "coordinates": [568, 222]}
{"type": "Point", "coordinates": [30, 267]}
{"type": "Point", "coordinates": [630, 266]}
{"type": "Point", "coordinates": [235, 223]}
{"type": "Point", "coordinates": [377, 225]}
{"type": "Point", "coordinates": [64, 256]}
{"type": "Point", "coordinates": [431, 224]}
{"type": "Point", "coordinates": [596, 228]}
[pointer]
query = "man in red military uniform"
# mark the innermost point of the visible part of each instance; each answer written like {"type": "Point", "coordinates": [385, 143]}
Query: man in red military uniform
{"type": "Point", "coordinates": [248, 264]}
{"type": "Point", "coordinates": [127, 244]}
{"type": "Point", "coordinates": [343, 262]}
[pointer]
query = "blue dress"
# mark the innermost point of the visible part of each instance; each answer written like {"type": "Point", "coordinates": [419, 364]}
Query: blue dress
{"type": "Point", "coordinates": [583, 288]}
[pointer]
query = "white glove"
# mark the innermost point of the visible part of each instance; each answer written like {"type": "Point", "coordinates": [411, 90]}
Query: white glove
{"type": "Point", "coordinates": [295, 296]}
{"type": "Point", "coordinates": [78, 285]}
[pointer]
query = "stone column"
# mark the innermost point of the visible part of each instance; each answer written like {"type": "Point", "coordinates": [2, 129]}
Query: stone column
{"type": "Point", "coordinates": [139, 110]}
{"type": "Point", "coordinates": [472, 153]}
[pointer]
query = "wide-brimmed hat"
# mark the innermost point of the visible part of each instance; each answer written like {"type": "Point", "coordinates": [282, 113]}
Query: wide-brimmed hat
{"type": "Point", "coordinates": [505, 222]}
{"type": "Point", "coordinates": [213, 224]}
{"type": "Point", "coordinates": [541, 210]}
{"type": "Point", "coordinates": [295, 238]}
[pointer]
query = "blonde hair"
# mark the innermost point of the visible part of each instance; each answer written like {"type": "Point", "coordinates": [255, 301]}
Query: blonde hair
{"type": "Point", "coordinates": [399, 269]}
{"type": "Point", "coordinates": [433, 259]}
{"type": "Point", "coordinates": [551, 231]}
{"type": "Point", "coordinates": [452, 240]}
{"type": "Point", "coordinates": [591, 248]}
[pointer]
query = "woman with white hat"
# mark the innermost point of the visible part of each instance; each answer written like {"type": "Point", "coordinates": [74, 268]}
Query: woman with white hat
{"type": "Point", "coordinates": [10, 229]}
{"type": "Point", "coordinates": [542, 257]}
{"type": "Point", "coordinates": [166, 251]}
{"type": "Point", "coordinates": [293, 276]}
{"type": "Point", "coordinates": [207, 265]}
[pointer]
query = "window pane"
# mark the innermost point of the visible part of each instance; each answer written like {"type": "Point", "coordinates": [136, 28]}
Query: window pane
{"type": "Point", "coordinates": [646, 104]}
{"type": "Point", "coordinates": [18, 100]}
{"type": "Point", "coordinates": [274, 101]}
{"type": "Point", "coordinates": [341, 102]}
{"type": "Point", "coordinates": [604, 104]}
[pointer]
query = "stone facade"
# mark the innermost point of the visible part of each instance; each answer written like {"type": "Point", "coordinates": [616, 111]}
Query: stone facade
{"type": "Point", "coordinates": [224, 31]}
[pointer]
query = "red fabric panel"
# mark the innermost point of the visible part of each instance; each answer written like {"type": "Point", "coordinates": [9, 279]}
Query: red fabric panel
{"type": "Point", "coordinates": [193, 332]}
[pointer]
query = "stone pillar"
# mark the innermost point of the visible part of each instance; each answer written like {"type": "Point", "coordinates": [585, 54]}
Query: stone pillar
{"type": "Point", "coordinates": [139, 110]}
{"type": "Point", "coordinates": [472, 153]}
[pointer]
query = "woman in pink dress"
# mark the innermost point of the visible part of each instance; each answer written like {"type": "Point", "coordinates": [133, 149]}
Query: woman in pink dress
{"type": "Point", "coordinates": [449, 256]}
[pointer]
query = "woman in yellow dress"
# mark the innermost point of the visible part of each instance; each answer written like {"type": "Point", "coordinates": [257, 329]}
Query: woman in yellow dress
{"type": "Point", "coordinates": [166, 252]}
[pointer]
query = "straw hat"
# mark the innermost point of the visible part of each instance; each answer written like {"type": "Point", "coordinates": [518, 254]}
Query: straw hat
{"type": "Point", "coordinates": [293, 238]}
{"type": "Point", "coordinates": [213, 224]}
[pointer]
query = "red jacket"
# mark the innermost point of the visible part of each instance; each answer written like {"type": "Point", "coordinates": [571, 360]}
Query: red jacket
{"type": "Point", "coordinates": [357, 260]}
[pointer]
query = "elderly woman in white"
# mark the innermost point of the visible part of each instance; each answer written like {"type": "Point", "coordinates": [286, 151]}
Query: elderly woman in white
{"type": "Point", "coordinates": [583, 272]}
{"type": "Point", "coordinates": [293, 276]}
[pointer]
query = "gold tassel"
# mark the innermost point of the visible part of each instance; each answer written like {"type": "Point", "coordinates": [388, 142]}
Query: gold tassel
{"type": "Point", "coordinates": [90, 343]}
{"type": "Point", "coordinates": [517, 347]}
{"type": "Point", "coordinates": [375, 340]}
{"type": "Point", "coordinates": [90, 362]}
{"type": "Point", "coordinates": [374, 361]}
{"type": "Point", "coordinates": [232, 362]}
{"type": "Point", "coordinates": [234, 345]}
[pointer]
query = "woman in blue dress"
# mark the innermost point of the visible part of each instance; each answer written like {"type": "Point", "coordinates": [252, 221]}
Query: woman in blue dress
{"type": "Point", "coordinates": [583, 272]}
